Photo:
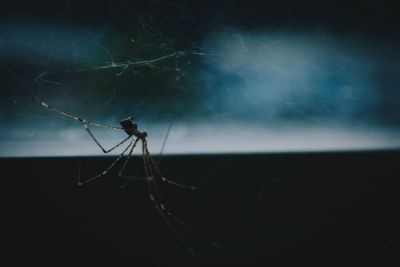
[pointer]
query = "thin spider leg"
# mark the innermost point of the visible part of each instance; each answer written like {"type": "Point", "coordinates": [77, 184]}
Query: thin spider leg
{"type": "Point", "coordinates": [36, 97]}
{"type": "Point", "coordinates": [158, 205]}
{"type": "Point", "coordinates": [165, 209]}
{"type": "Point", "coordinates": [190, 228]}
{"type": "Point", "coordinates": [73, 116]}
{"type": "Point", "coordinates": [128, 157]}
{"type": "Point", "coordinates": [98, 143]}
{"type": "Point", "coordinates": [129, 178]}
{"type": "Point", "coordinates": [153, 163]}
{"type": "Point", "coordinates": [109, 167]}
{"type": "Point", "coordinates": [164, 143]}
{"type": "Point", "coordinates": [99, 109]}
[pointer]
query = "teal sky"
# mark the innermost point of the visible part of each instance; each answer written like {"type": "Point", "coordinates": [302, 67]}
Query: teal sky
{"type": "Point", "coordinates": [235, 89]}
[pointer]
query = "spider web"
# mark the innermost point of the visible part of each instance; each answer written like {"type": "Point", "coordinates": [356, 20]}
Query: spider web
{"type": "Point", "coordinates": [224, 88]}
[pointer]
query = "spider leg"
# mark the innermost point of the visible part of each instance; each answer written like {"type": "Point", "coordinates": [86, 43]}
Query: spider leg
{"type": "Point", "coordinates": [44, 104]}
{"type": "Point", "coordinates": [155, 198]}
{"type": "Point", "coordinates": [128, 157]}
{"type": "Point", "coordinates": [109, 167]}
{"type": "Point", "coordinates": [153, 163]}
{"type": "Point", "coordinates": [36, 97]}
{"type": "Point", "coordinates": [99, 109]}
{"type": "Point", "coordinates": [98, 143]}
{"type": "Point", "coordinates": [73, 116]}
{"type": "Point", "coordinates": [167, 211]}
{"type": "Point", "coordinates": [190, 228]}
{"type": "Point", "coordinates": [129, 178]}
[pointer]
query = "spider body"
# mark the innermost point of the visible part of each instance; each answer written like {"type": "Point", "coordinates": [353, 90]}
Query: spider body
{"type": "Point", "coordinates": [131, 128]}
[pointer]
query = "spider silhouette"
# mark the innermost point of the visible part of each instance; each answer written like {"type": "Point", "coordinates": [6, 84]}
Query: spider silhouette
{"type": "Point", "coordinates": [152, 172]}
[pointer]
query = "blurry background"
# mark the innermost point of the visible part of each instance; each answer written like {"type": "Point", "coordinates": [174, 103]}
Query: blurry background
{"type": "Point", "coordinates": [255, 78]}
{"type": "Point", "coordinates": [244, 77]}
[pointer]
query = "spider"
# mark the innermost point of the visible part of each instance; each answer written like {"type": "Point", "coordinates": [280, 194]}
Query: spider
{"type": "Point", "coordinates": [152, 172]}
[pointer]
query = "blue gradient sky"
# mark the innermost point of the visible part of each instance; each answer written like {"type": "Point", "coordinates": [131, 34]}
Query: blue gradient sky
{"type": "Point", "coordinates": [238, 89]}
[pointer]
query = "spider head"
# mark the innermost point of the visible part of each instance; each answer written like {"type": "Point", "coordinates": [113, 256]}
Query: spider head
{"type": "Point", "coordinates": [129, 126]}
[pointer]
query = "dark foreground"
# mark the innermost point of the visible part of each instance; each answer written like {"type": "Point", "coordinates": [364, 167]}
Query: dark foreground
{"type": "Point", "coordinates": [318, 209]}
